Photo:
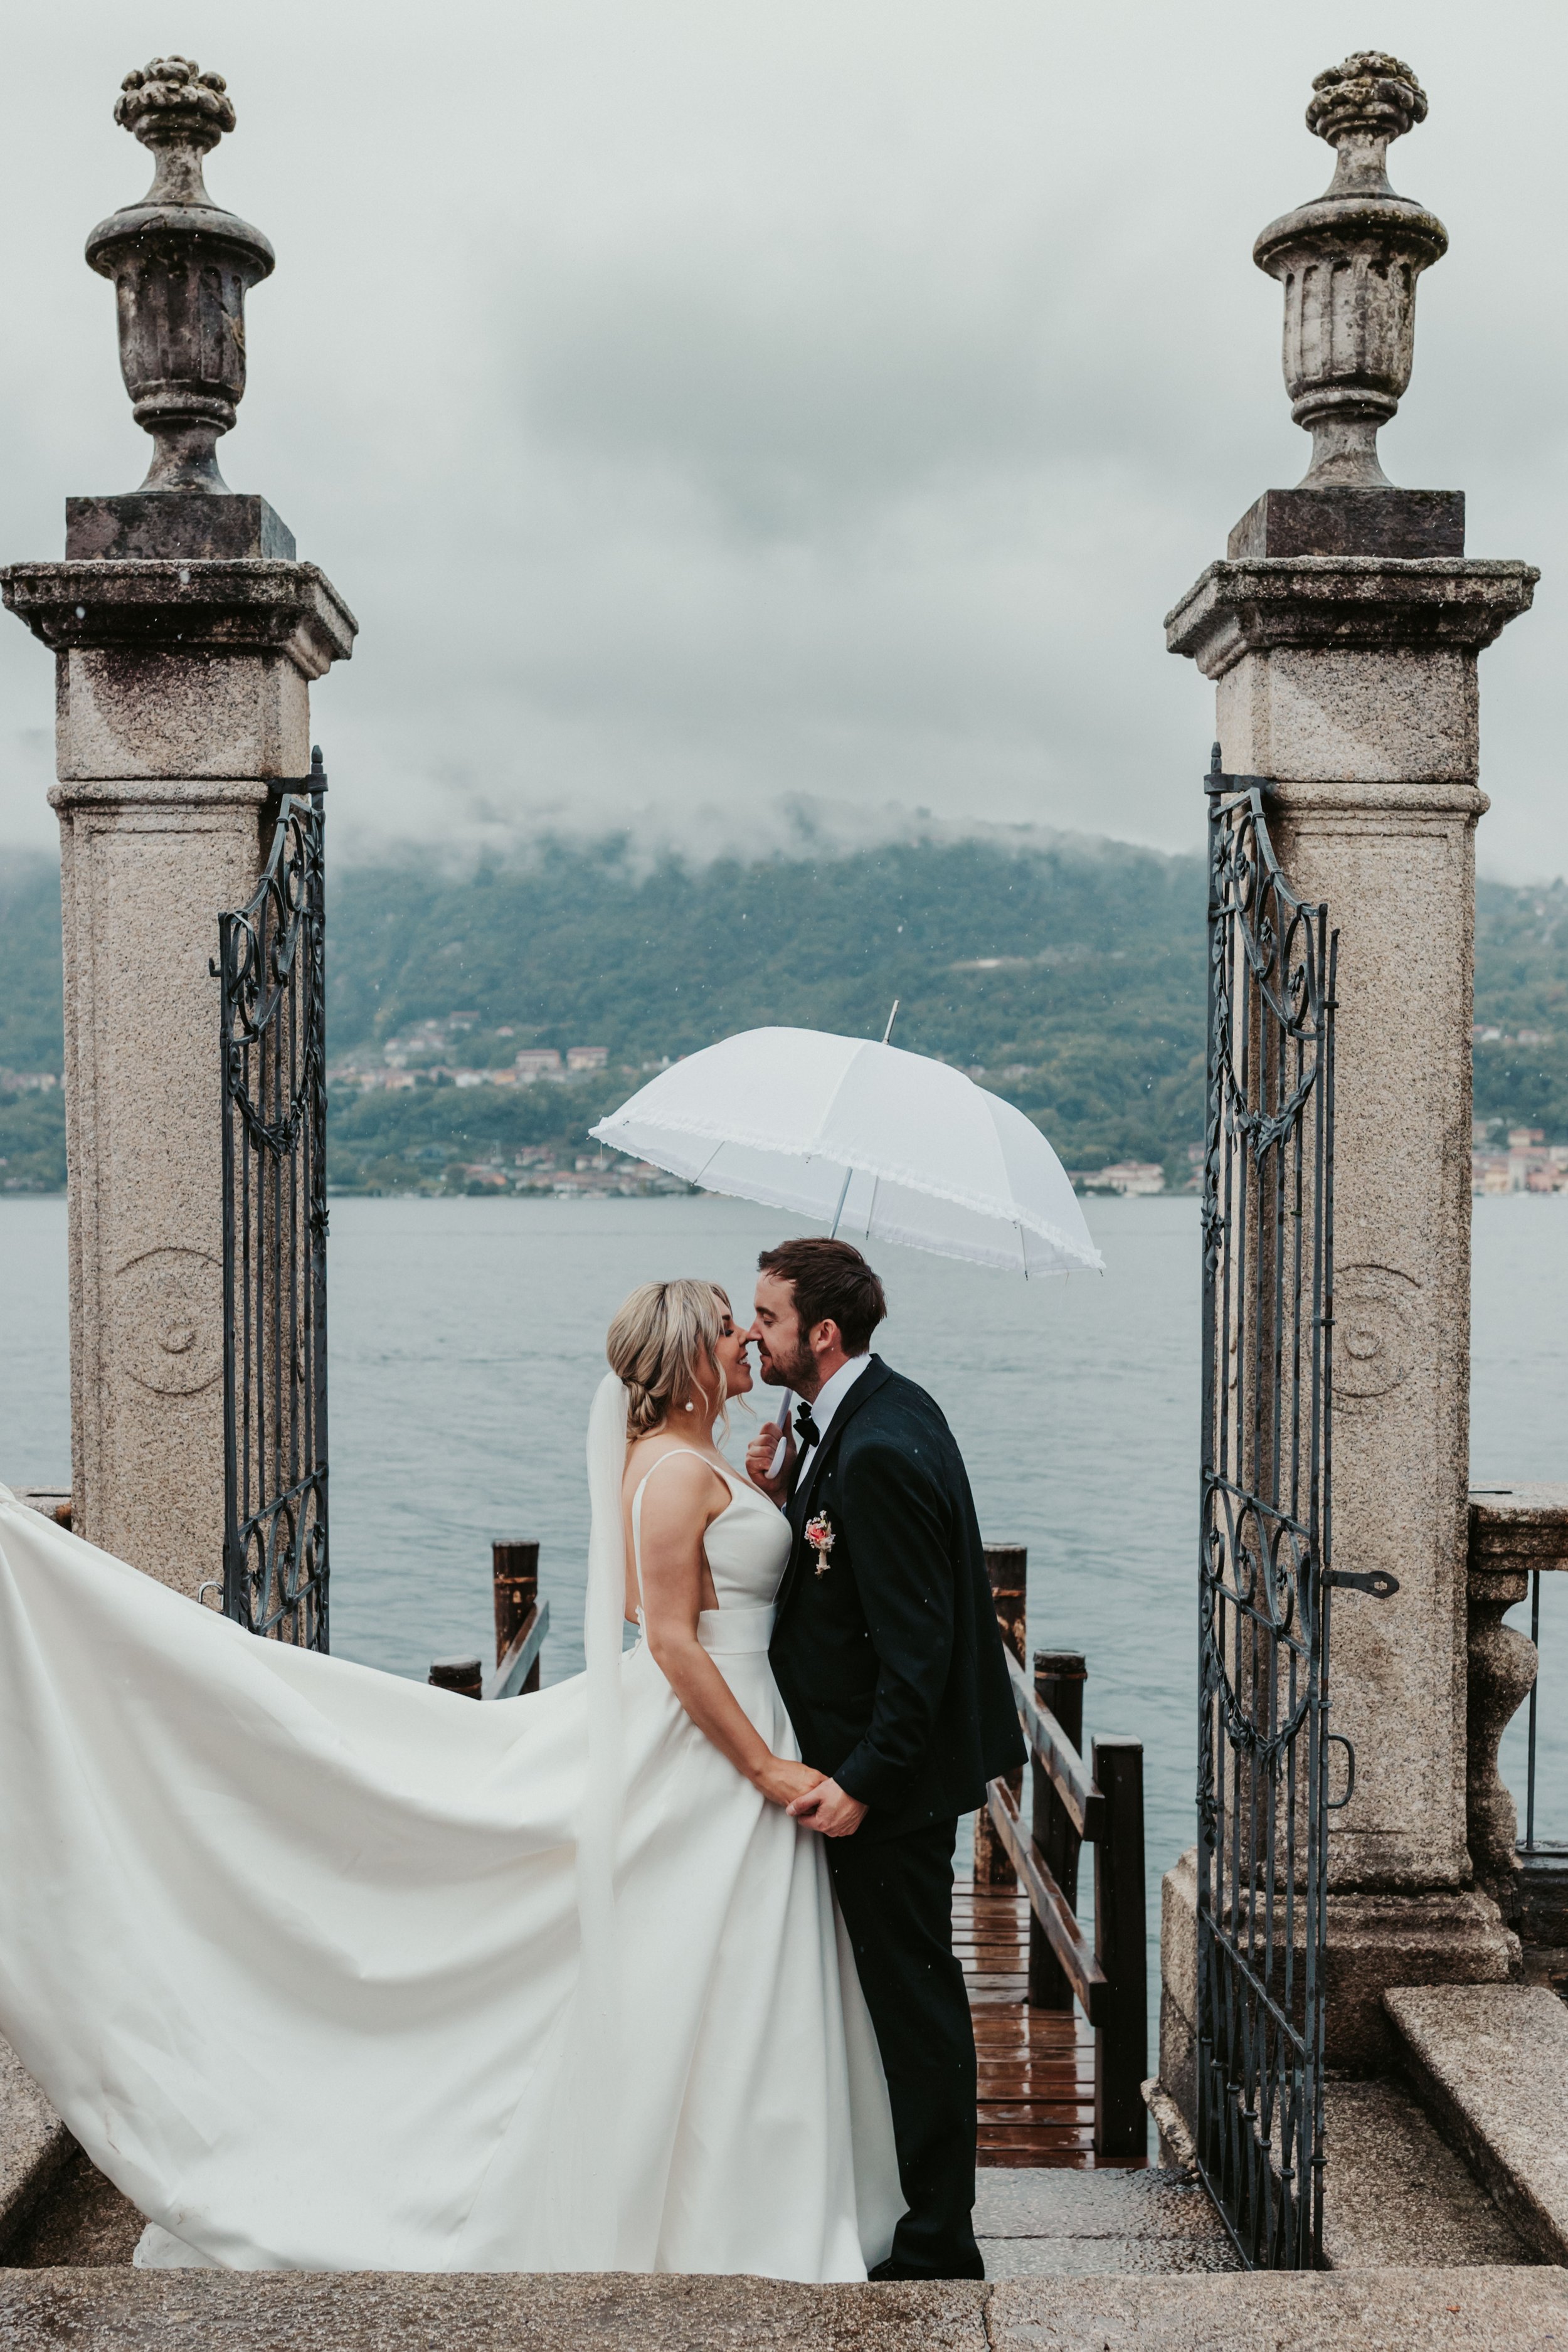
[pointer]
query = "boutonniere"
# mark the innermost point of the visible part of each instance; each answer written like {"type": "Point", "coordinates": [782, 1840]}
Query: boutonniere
{"type": "Point", "coordinates": [820, 1537]}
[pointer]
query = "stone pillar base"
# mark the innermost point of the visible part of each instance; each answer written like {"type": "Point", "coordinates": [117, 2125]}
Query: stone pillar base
{"type": "Point", "coordinates": [1375, 1941]}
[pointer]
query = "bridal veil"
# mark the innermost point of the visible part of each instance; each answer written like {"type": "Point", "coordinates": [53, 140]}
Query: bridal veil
{"type": "Point", "coordinates": [584, 2220]}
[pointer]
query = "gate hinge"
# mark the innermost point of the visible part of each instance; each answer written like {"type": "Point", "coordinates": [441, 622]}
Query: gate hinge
{"type": "Point", "coordinates": [1376, 1581]}
{"type": "Point", "coordinates": [316, 782]}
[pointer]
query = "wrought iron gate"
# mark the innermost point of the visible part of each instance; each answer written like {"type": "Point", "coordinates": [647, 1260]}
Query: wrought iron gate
{"type": "Point", "coordinates": [1263, 1783]}
{"type": "Point", "coordinates": [272, 970]}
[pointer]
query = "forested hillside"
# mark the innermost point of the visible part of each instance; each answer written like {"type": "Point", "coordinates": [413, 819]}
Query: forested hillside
{"type": "Point", "coordinates": [1076, 971]}
{"type": "Point", "coordinates": [1071, 975]}
{"type": "Point", "coordinates": [29, 963]}
{"type": "Point", "coordinates": [1521, 992]}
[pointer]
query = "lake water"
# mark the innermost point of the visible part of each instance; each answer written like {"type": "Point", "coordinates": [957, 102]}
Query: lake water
{"type": "Point", "coordinates": [466, 1339]}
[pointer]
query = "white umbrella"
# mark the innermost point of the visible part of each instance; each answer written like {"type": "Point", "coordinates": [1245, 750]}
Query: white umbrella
{"type": "Point", "coordinates": [866, 1138]}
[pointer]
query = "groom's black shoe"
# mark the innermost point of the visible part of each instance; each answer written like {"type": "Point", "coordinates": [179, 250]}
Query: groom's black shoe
{"type": "Point", "coordinates": [893, 2269]}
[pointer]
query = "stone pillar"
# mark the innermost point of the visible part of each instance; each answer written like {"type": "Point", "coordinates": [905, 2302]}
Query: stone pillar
{"type": "Point", "coordinates": [1342, 632]}
{"type": "Point", "coordinates": [185, 638]}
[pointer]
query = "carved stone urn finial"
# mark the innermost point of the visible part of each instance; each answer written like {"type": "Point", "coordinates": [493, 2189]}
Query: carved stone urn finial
{"type": "Point", "coordinates": [1349, 265]}
{"type": "Point", "coordinates": [182, 268]}
{"type": "Point", "coordinates": [1358, 107]}
{"type": "Point", "coordinates": [181, 113]}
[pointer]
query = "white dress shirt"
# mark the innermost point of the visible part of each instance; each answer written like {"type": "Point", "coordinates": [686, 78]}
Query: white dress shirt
{"type": "Point", "coordinates": [829, 1397]}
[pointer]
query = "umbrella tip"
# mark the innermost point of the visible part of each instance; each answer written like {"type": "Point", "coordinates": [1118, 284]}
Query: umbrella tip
{"type": "Point", "coordinates": [892, 1018]}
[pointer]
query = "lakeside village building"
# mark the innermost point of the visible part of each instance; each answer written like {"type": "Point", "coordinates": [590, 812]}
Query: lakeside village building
{"type": "Point", "coordinates": [431, 1050]}
{"type": "Point", "coordinates": [1530, 1164]}
{"type": "Point", "coordinates": [394, 1072]}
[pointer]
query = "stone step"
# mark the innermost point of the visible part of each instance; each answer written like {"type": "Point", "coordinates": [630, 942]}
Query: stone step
{"type": "Point", "coordinates": [34, 2147]}
{"type": "Point", "coordinates": [80, 2221]}
{"type": "Point", "coordinates": [1489, 2062]}
{"type": "Point", "coordinates": [1397, 2195]}
{"type": "Point", "coordinates": [1254, 2311]}
{"type": "Point", "coordinates": [1333, 2311]}
{"type": "Point", "coordinates": [1036, 2222]}
{"type": "Point", "coordinates": [54, 1502]}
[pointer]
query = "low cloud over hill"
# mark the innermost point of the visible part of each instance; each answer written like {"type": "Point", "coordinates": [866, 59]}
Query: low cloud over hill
{"type": "Point", "coordinates": [1067, 973]}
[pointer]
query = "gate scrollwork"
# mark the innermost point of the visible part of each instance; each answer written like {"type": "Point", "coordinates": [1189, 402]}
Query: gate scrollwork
{"type": "Point", "coordinates": [271, 967]}
{"type": "Point", "coordinates": [1264, 1575]}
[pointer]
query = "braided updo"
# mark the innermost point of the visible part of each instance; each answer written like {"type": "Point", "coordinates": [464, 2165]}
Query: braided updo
{"type": "Point", "coordinates": [661, 1346]}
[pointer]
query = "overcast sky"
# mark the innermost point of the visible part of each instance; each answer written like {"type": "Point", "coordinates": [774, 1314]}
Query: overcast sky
{"type": "Point", "coordinates": [710, 406]}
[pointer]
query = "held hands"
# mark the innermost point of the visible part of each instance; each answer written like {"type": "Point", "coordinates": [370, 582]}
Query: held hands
{"type": "Point", "coordinates": [784, 1783]}
{"type": "Point", "coordinates": [827, 1808]}
{"type": "Point", "coordinates": [759, 1461]}
{"type": "Point", "coordinates": [810, 1798]}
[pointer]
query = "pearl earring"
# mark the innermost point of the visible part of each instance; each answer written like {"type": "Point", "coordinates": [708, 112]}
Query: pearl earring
{"type": "Point", "coordinates": [690, 1406]}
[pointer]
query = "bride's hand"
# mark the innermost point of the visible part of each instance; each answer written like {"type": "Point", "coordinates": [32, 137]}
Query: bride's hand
{"type": "Point", "coordinates": [760, 1462]}
{"type": "Point", "coordinates": [782, 1781]}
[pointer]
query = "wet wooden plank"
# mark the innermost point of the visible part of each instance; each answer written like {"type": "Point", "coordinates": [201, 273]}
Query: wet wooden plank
{"type": "Point", "coordinates": [1037, 2066]}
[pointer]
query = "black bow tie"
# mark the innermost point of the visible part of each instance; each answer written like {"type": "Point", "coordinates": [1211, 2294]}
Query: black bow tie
{"type": "Point", "coordinates": [805, 1429]}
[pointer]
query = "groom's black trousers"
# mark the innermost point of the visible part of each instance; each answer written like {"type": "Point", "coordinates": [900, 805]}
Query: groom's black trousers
{"type": "Point", "coordinates": [896, 1901]}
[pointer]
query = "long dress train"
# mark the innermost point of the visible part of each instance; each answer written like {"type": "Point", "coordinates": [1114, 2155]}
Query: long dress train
{"type": "Point", "coordinates": [293, 1948]}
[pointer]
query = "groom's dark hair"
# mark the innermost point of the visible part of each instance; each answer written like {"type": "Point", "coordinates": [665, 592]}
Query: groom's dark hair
{"type": "Point", "coordinates": [832, 1280]}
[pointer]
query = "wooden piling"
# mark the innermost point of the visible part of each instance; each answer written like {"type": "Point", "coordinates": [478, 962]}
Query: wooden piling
{"type": "Point", "coordinates": [1121, 2041]}
{"type": "Point", "coordinates": [1059, 1678]}
{"type": "Point", "coordinates": [464, 1676]}
{"type": "Point", "coordinates": [514, 1571]}
{"type": "Point", "coordinates": [1006, 1565]}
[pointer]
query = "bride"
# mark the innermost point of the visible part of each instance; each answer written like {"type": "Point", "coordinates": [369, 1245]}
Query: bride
{"type": "Point", "coordinates": [330, 1970]}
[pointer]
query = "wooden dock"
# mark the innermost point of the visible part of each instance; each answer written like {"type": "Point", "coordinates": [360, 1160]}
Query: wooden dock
{"type": "Point", "coordinates": [1037, 2066]}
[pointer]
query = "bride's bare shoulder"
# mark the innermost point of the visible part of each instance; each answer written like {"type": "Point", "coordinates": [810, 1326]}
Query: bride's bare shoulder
{"type": "Point", "coordinates": [691, 1481]}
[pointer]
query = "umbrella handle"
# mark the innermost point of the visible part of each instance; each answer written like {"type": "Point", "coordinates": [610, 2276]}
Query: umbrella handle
{"type": "Point", "coordinates": [782, 1425]}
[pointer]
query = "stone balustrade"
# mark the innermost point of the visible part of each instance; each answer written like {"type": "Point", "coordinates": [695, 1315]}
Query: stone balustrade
{"type": "Point", "coordinates": [1513, 1530]}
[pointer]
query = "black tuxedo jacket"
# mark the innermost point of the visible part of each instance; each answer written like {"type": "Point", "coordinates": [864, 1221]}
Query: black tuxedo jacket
{"type": "Point", "coordinates": [891, 1663]}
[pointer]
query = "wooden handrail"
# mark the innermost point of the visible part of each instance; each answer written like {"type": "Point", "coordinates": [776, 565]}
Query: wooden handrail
{"type": "Point", "coordinates": [507, 1677]}
{"type": "Point", "coordinates": [1050, 1908]}
{"type": "Point", "coordinates": [1060, 1679]}
{"type": "Point", "coordinates": [1070, 1776]}
{"type": "Point", "coordinates": [514, 1574]}
{"type": "Point", "coordinates": [523, 1621]}
{"type": "Point", "coordinates": [1007, 1574]}
{"type": "Point", "coordinates": [1074, 1803]}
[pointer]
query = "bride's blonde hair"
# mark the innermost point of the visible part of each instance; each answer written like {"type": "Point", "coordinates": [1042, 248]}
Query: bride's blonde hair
{"type": "Point", "coordinates": [657, 1345]}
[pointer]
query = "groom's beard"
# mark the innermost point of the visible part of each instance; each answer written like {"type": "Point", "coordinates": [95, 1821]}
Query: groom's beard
{"type": "Point", "coordinates": [796, 1373]}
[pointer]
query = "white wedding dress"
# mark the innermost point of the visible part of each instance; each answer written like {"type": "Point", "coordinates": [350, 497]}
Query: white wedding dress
{"type": "Point", "coordinates": [330, 1970]}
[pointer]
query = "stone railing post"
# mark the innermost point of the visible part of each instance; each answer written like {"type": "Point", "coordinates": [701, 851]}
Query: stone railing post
{"type": "Point", "coordinates": [1501, 1664]}
{"type": "Point", "coordinates": [185, 638]}
{"type": "Point", "coordinates": [1514, 1531]}
{"type": "Point", "coordinates": [1342, 632]}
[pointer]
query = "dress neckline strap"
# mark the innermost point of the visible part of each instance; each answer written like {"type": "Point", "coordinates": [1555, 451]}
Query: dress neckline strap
{"type": "Point", "coordinates": [722, 1468]}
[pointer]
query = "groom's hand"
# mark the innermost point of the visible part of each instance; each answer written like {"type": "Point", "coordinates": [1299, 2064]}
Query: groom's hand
{"type": "Point", "coordinates": [784, 1779]}
{"type": "Point", "coordinates": [760, 1463]}
{"type": "Point", "coordinates": [828, 1809]}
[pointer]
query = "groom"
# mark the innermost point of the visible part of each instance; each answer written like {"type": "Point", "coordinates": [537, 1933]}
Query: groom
{"type": "Point", "coordinates": [888, 1656]}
